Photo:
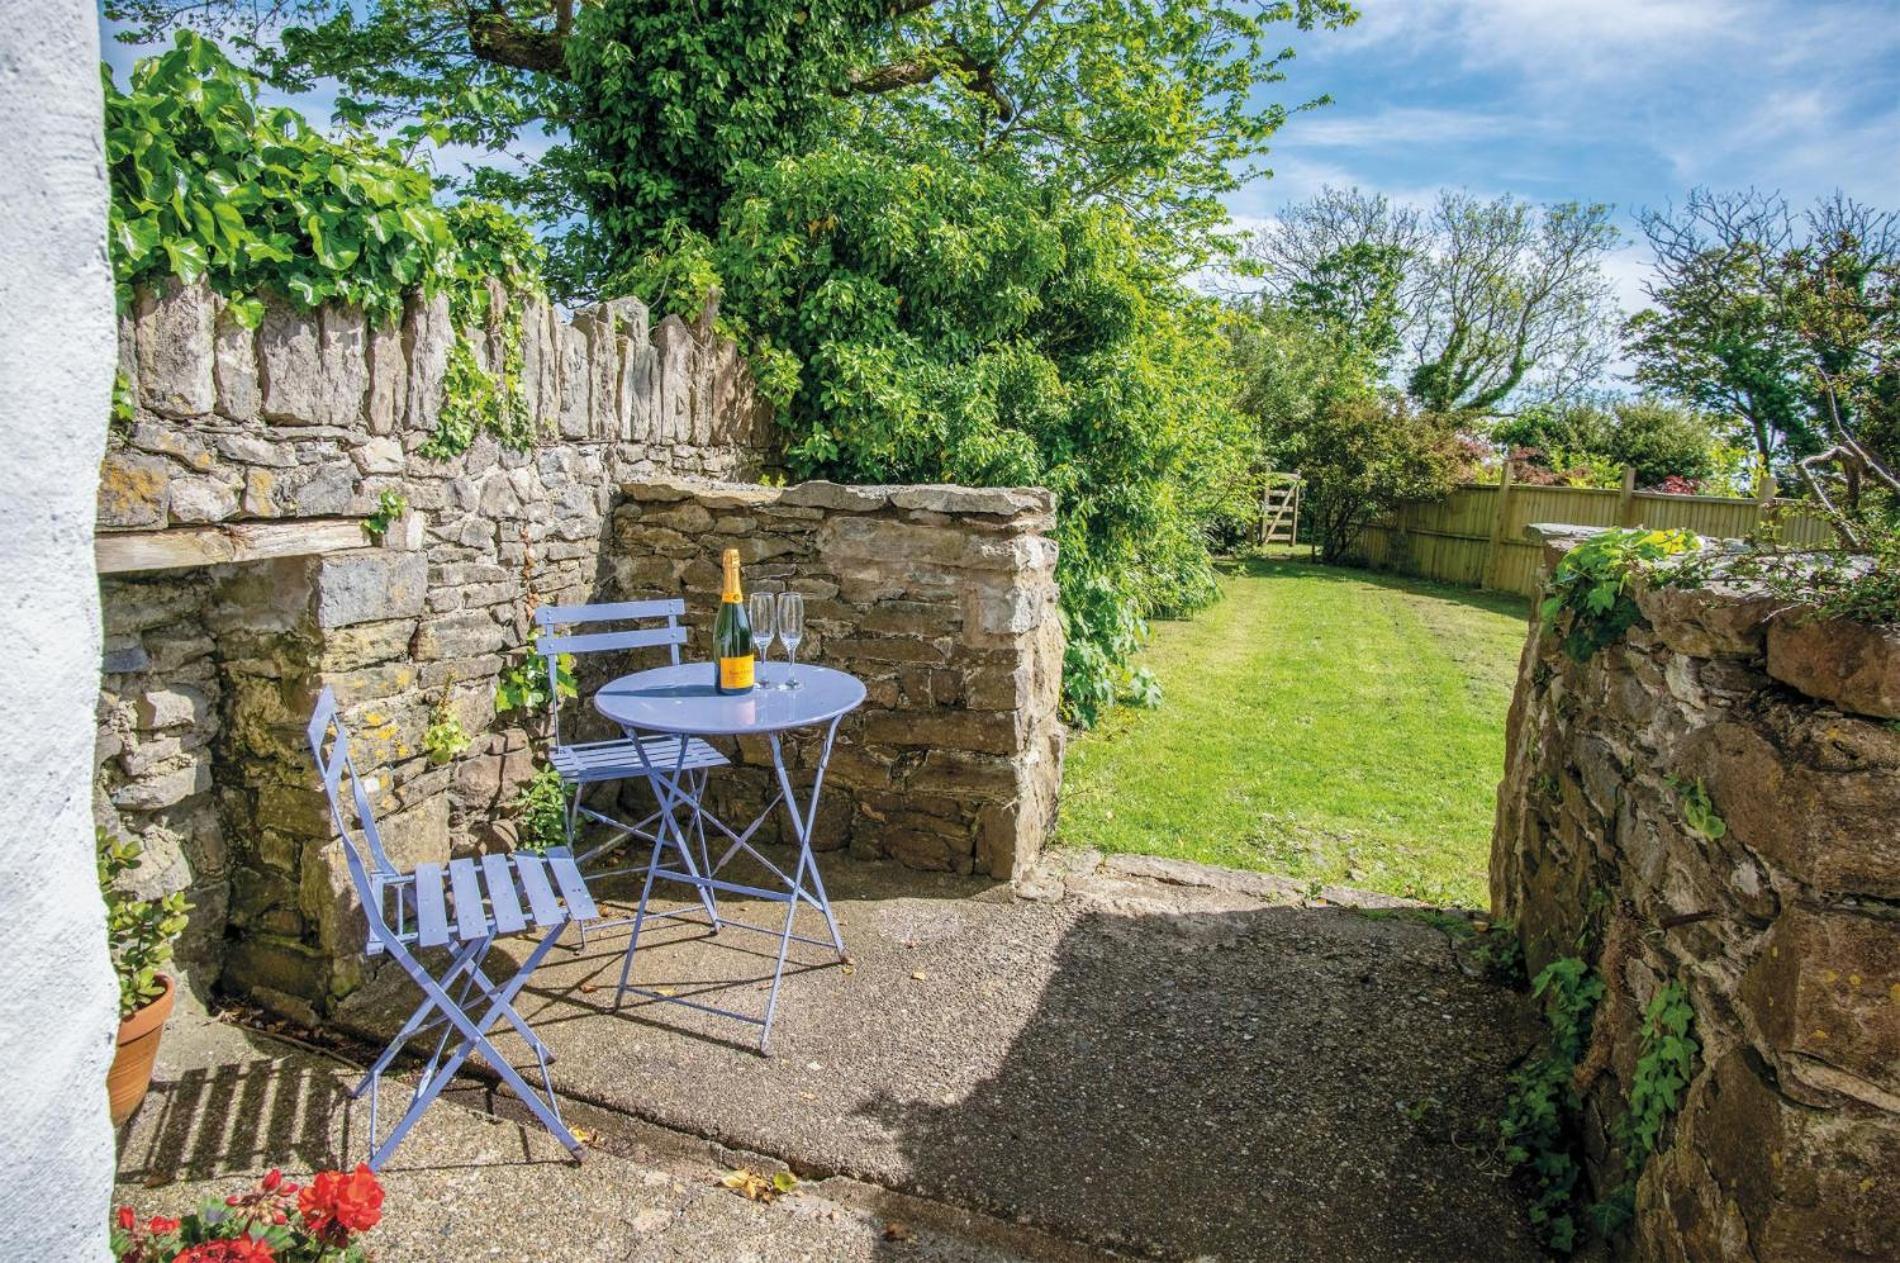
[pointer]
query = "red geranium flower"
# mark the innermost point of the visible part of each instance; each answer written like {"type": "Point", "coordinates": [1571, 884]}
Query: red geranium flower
{"type": "Point", "coordinates": [158, 1226]}
{"type": "Point", "coordinates": [240, 1250]}
{"type": "Point", "coordinates": [352, 1203]}
{"type": "Point", "coordinates": [126, 1218]}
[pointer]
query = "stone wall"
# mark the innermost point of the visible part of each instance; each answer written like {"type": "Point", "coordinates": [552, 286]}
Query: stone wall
{"type": "Point", "coordinates": [239, 581]}
{"type": "Point", "coordinates": [1784, 929]}
{"type": "Point", "coordinates": [942, 599]}
{"type": "Point", "coordinates": [270, 447]}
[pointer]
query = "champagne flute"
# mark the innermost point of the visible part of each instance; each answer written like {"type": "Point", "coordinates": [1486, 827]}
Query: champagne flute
{"type": "Point", "coordinates": [759, 608]}
{"type": "Point", "coordinates": [791, 630]}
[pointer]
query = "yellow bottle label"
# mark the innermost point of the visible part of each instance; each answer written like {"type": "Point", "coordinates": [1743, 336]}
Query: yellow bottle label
{"type": "Point", "coordinates": [736, 673]}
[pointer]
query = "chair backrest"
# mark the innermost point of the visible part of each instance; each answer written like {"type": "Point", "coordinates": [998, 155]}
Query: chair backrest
{"type": "Point", "coordinates": [552, 642]}
{"type": "Point", "coordinates": [330, 746]}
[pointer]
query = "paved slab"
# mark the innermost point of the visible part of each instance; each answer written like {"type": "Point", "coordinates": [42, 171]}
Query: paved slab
{"type": "Point", "coordinates": [228, 1105]}
{"type": "Point", "coordinates": [1182, 1070]}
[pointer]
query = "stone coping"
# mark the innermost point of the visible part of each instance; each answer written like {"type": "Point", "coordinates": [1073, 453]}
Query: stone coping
{"type": "Point", "coordinates": [1007, 502]}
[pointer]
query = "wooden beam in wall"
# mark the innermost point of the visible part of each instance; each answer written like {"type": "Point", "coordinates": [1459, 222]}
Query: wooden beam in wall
{"type": "Point", "coordinates": [118, 552]}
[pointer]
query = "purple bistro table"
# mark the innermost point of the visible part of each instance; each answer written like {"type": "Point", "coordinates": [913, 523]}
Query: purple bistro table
{"type": "Point", "coordinates": [680, 701]}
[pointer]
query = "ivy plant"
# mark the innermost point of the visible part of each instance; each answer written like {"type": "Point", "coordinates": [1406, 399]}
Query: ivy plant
{"type": "Point", "coordinates": [1665, 1062]}
{"type": "Point", "coordinates": [1698, 812]}
{"type": "Point", "coordinates": [444, 738]}
{"type": "Point", "coordinates": [1589, 601]}
{"type": "Point", "coordinates": [208, 184]}
{"type": "Point", "coordinates": [523, 684]}
{"type": "Point", "coordinates": [390, 506]}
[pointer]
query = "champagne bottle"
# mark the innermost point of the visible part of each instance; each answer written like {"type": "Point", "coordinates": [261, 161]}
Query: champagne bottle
{"type": "Point", "coordinates": [732, 634]}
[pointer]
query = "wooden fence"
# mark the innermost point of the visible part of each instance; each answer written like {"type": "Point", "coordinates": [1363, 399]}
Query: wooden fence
{"type": "Point", "coordinates": [1475, 536]}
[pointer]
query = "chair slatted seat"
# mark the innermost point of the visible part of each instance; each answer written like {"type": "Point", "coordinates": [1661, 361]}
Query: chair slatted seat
{"type": "Point", "coordinates": [460, 908]}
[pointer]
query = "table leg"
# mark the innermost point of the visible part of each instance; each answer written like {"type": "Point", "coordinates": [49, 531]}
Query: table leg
{"type": "Point", "coordinates": [802, 822]}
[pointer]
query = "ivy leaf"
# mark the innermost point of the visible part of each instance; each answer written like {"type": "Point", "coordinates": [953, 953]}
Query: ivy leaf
{"type": "Point", "coordinates": [137, 238]}
{"type": "Point", "coordinates": [246, 310]}
{"type": "Point", "coordinates": [187, 259]}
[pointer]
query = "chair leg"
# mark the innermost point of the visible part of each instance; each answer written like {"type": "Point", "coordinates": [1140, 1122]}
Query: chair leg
{"type": "Point", "coordinates": [475, 1039]}
{"type": "Point", "coordinates": [416, 1020]}
{"type": "Point", "coordinates": [639, 919]}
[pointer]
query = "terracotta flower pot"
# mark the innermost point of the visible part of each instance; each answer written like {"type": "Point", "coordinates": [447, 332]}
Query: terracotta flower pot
{"type": "Point", "coordinates": [131, 1072]}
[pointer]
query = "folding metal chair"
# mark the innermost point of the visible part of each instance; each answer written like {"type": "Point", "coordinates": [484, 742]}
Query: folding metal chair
{"type": "Point", "coordinates": [563, 630]}
{"type": "Point", "coordinates": [408, 912]}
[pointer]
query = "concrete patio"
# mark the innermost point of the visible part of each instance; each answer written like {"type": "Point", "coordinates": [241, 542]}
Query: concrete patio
{"type": "Point", "coordinates": [1130, 1057]}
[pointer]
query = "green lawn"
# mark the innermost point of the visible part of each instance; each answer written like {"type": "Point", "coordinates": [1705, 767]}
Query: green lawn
{"type": "Point", "coordinates": [1330, 724]}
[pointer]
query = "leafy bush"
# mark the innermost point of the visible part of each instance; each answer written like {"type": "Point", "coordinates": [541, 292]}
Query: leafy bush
{"type": "Point", "coordinates": [1362, 455]}
{"type": "Point", "coordinates": [1588, 599]}
{"type": "Point", "coordinates": [139, 932]}
{"type": "Point", "coordinates": [927, 319]}
{"type": "Point", "coordinates": [1587, 444]}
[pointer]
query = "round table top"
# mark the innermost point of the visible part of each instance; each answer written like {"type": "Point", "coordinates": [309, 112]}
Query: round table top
{"type": "Point", "coordinates": [681, 700]}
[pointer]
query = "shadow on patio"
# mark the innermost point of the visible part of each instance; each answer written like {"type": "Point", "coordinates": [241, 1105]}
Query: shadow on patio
{"type": "Point", "coordinates": [1144, 1067]}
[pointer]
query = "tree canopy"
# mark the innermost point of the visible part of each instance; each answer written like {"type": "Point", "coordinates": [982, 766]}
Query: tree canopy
{"type": "Point", "coordinates": [951, 233]}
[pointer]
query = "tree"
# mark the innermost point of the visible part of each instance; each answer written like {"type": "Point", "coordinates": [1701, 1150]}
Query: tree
{"type": "Point", "coordinates": [1362, 455]}
{"type": "Point", "coordinates": [1717, 335]}
{"type": "Point", "coordinates": [1342, 259]}
{"type": "Point", "coordinates": [1503, 296]}
{"type": "Point", "coordinates": [1321, 409]}
{"type": "Point", "coordinates": [1153, 106]}
{"type": "Point", "coordinates": [1841, 296]}
{"type": "Point", "coordinates": [951, 233]}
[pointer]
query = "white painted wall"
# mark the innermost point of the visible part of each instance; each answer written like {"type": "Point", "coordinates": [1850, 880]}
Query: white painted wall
{"type": "Point", "coordinates": [58, 1003]}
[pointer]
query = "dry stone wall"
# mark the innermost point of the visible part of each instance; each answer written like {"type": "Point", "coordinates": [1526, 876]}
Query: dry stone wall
{"type": "Point", "coordinates": [941, 599]}
{"type": "Point", "coordinates": [241, 582]}
{"type": "Point", "coordinates": [307, 421]}
{"type": "Point", "coordinates": [1784, 928]}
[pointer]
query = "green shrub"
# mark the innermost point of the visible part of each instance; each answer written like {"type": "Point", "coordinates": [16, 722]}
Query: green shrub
{"type": "Point", "coordinates": [1537, 1131]}
{"type": "Point", "coordinates": [928, 319]}
{"type": "Point", "coordinates": [139, 932]}
{"type": "Point", "coordinates": [540, 808]}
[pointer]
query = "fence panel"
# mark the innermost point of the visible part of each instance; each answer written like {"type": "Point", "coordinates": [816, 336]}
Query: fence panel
{"type": "Point", "coordinates": [1462, 538]}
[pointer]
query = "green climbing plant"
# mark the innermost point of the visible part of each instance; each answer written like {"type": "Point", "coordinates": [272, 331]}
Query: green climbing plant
{"type": "Point", "coordinates": [1537, 1131]}
{"type": "Point", "coordinates": [1665, 1061]}
{"type": "Point", "coordinates": [1589, 603]}
{"type": "Point", "coordinates": [390, 506]}
{"type": "Point", "coordinates": [208, 184]}
{"type": "Point", "coordinates": [523, 684]}
{"type": "Point", "coordinates": [445, 737]}
{"type": "Point", "coordinates": [1698, 812]}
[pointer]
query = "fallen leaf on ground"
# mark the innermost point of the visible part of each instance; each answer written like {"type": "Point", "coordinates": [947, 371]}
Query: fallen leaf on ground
{"type": "Point", "coordinates": [898, 1230]}
{"type": "Point", "coordinates": [588, 988]}
{"type": "Point", "coordinates": [918, 974]}
{"type": "Point", "coordinates": [754, 1187]}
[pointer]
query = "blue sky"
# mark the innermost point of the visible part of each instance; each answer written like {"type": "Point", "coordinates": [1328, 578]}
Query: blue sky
{"type": "Point", "coordinates": [1630, 102]}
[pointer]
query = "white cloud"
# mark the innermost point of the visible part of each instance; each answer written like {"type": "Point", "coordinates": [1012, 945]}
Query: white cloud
{"type": "Point", "coordinates": [1400, 125]}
